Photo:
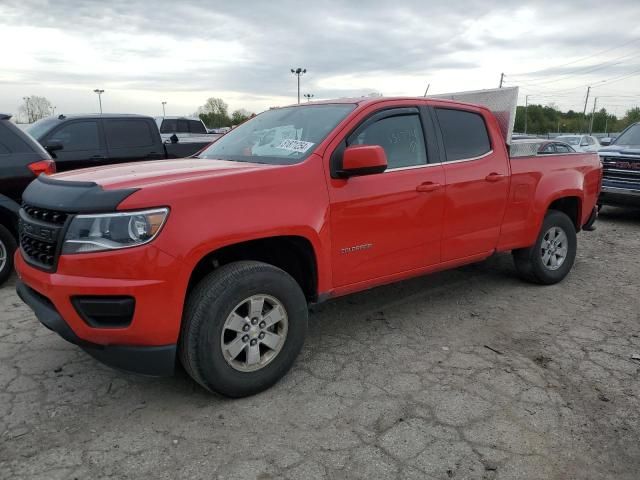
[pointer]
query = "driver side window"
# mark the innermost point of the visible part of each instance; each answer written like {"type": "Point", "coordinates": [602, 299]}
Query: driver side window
{"type": "Point", "coordinates": [401, 137]}
{"type": "Point", "coordinates": [77, 136]}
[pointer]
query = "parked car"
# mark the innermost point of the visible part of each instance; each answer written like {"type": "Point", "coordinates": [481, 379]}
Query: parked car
{"type": "Point", "coordinates": [606, 141]}
{"type": "Point", "coordinates": [185, 129]}
{"type": "Point", "coordinates": [81, 141]}
{"type": "Point", "coordinates": [528, 147]}
{"type": "Point", "coordinates": [214, 259]}
{"type": "Point", "coordinates": [581, 143]}
{"type": "Point", "coordinates": [22, 159]}
{"type": "Point", "coordinates": [621, 162]}
{"type": "Point", "coordinates": [553, 146]}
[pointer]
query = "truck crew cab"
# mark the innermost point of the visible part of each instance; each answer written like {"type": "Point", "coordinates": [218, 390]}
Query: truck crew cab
{"type": "Point", "coordinates": [214, 259]}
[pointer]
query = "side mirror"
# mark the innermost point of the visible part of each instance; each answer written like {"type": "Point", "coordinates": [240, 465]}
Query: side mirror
{"type": "Point", "coordinates": [584, 144]}
{"type": "Point", "coordinates": [53, 146]}
{"type": "Point", "coordinates": [605, 142]}
{"type": "Point", "coordinates": [363, 160]}
{"type": "Point", "coordinates": [174, 138]}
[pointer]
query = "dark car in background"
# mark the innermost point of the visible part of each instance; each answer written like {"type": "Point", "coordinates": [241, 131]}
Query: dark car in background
{"type": "Point", "coordinates": [22, 159]}
{"type": "Point", "coordinates": [621, 169]}
{"type": "Point", "coordinates": [81, 141]}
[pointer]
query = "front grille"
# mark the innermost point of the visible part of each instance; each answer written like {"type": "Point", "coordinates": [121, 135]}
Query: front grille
{"type": "Point", "coordinates": [621, 171]}
{"type": "Point", "coordinates": [41, 232]}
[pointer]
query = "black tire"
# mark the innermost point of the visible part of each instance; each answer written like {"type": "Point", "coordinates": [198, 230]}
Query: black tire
{"type": "Point", "coordinates": [206, 310]}
{"type": "Point", "coordinates": [7, 247]}
{"type": "Point", "coordinates": [528, 261]}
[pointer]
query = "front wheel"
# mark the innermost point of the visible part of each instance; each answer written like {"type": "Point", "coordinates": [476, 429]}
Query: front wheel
{"type": "Point", "coordinates": [243, 327]}
{"type": "Point", "coordinates": [7, 248]}
{"type": "Point", "coordinates": [550, 259]}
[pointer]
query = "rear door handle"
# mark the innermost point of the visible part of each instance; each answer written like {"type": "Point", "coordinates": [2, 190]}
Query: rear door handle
{"type": "Point", "coordinates": [428, 187]}
{"type": "Point", "coordinates": [98, 157]}
{"type": "Point", "coordinates": [494, 177]}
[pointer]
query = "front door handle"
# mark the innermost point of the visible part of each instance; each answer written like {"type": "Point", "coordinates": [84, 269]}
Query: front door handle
{"type": "Point", "coordinates": [98, 157]}
{"type": "Point", "coordinates": [494, 177]}
{"type": "Point", "coordinates": [428, 187]}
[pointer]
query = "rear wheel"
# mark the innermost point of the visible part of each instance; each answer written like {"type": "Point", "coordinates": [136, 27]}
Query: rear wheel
{"type": "Point", "coordinates": [550, 259]}
{"type": "Point", "coordinates": [7, 249]}
{"type": "Point", "coordinates": [243, 327]}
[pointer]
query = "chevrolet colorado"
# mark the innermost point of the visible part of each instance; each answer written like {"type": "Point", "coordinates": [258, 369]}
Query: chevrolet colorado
{"type": "Point", "coordinates": [213, 260]}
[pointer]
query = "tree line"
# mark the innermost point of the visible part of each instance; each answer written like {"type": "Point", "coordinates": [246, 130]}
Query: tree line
{"type": "Point", "coordinates": [215, 114]}
{"type": "Point", "coordinates": [548, 119]}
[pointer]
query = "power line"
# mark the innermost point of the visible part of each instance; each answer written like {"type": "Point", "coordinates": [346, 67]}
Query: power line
{"type": "Point", "coordinates": [580, 59]}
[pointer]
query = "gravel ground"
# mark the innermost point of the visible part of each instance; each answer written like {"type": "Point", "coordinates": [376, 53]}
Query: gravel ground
{"type": "Point", "coordinates": [464, 374]}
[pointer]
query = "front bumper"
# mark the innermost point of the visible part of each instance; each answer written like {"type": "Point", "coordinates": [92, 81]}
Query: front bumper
{"type": "Point", "coordinates": [623, 197]}
{"type": "Point", "coordinates": [154, 361]}
{"type": "Point", "coordinates": [157, 282]}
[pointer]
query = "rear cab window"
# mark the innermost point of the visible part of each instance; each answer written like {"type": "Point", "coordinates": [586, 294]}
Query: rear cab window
{"type": "Point", "coordinates": [464, 134]}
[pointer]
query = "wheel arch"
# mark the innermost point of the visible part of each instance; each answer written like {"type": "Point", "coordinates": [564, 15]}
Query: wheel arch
{"type": "Point", "coordinates": [295, 254]}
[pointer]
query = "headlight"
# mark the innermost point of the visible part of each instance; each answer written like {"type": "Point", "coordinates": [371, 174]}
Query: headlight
{"type": "Point", "coordinates": [111, 231]}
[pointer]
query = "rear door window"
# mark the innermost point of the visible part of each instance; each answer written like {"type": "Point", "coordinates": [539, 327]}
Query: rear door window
{"type": "Point", "coordinates": [127, 133]}
{"type": "Point", "coordinates": [78, 136]}
{"type": "Point", "coordinates": [464, 134]}
{"type": "Point", "coordinates": [562, 148]}
{"type": "Point", "coordinates": [196, 127]}
{"type": "Point", "coordinates": [169, 125]}
{"type": "Point", "coordinates": [183, 126]}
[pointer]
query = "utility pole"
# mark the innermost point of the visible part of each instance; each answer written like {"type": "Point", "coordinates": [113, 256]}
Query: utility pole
{"type": "Point", "coordinates": [593, 114]}
{"type": "Point", "coordinates": [163, 111]}
{"type": "Point", "coordinates": [526, 108]}
{"type": "Point", "coordinates": [298, 72]}
{"type": "Point", "coordinates": [606, 123]}
{"type": "Point", "coordinates": [99, 92]}
{"type": "Point", "coordinates": [584, 112]}
{"type": "Point", "coordinates": [501, 79]}
{"type": "Point", "coordinates": [427, 90]}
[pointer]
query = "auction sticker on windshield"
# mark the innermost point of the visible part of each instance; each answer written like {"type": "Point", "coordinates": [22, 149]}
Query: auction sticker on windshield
{"type": "Point", "coordinates": [299, 146]}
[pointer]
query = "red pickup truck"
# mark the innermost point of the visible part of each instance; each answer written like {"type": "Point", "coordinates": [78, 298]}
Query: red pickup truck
{"type": "Point", "coordinates": [215, 259]}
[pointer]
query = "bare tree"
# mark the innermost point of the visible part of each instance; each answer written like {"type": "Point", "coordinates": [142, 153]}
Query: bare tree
{"type": "Point", "coordinates": [34, 108]}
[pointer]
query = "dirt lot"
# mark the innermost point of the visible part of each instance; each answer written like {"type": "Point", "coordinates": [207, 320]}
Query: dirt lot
{"type": "Point", "coordinates": [464, 374]}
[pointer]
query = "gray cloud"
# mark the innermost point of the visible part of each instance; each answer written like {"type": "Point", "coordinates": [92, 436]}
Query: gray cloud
{"type": "Point", "coordinates": [328, 37]}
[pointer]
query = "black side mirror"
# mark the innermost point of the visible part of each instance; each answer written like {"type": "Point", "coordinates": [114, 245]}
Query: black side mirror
{"type": "Point", "coordinates": [174, 138]}
{"type": "Point", "coordinates": [53, 146]}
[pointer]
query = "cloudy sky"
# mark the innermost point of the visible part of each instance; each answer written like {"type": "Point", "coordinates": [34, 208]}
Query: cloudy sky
{"type": "Point", "coordinates": [143, 52]}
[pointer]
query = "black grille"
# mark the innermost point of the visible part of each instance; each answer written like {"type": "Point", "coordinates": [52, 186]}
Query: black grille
{"type": "Point", "coordinates": [41, 233]}
{"type": "Point", "coordinates": [622, 171]}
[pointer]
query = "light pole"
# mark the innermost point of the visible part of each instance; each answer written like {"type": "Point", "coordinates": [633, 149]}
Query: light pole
{"type": "Point", "coordinates": [26, 106]}
{"type": "Point", "coordinates": [163, 112]}
{"type": "Point", "coordinates": [526, 107]}
{"type": "Point", "coordinates": [53, 111]}
{"type": "Point", "coordinates": [298, 72]}
{"type": "Point", "coordinates": [99, 92]}
{"type": "Point", "coordinates": [308, 96]}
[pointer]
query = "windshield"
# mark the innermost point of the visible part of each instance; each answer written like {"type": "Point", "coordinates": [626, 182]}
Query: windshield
{"type": "Point", "coordinates": [570, 140]}
{"type": "Point", "coordinates": [40, 128]}
{"type": "Point", "coordinates": [631, 136]}
{"type": "Point", "coordinates": [280, 136]}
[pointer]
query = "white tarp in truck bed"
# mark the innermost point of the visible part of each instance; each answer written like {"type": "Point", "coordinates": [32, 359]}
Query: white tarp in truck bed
{"type": "Point", "coordinates": [501, 101]}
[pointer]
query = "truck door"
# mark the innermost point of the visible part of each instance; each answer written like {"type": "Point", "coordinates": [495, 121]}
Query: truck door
{"type": "Point", "coordinates": [387, 223]}
{"type": "Point", "coordinates": [82, 144]}
{"type": "Point", "coordinates": [476, 172]}
{"type": "Point", "coordinates": [131, 140]}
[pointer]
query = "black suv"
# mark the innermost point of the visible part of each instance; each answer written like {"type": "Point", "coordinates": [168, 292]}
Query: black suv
{"type": "Point", "coordinates": [21, 160]}
{"type": "Point", "coordinates": [81, 141]}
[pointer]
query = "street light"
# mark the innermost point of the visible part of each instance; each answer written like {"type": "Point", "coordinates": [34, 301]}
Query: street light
{"type": "Point", "coordinates": [99, 92]}
{"type": "Point", "coordinates": [298, 72]}
{"type": "Point", "coordinates": [26, 106]}
{"type": "Point", "coordinates": [163, 112]}
{"type": "Point", "coordinates": [308, 96]}
{"type": "Point", "coordinates": [526, 107]}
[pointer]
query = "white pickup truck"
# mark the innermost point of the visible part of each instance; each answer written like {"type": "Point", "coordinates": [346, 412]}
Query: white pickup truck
{"type": "Point", "coordinates": [185, 129]}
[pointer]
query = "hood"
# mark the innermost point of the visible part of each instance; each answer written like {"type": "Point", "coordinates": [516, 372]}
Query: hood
{"type": "Point", "coordinates": [620, 149]}
{"type": "Point", "coordinates": [145, 174]}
